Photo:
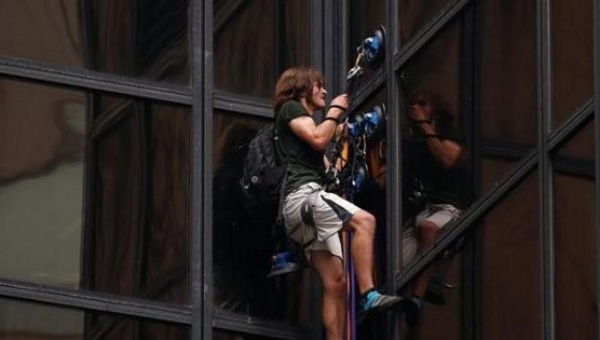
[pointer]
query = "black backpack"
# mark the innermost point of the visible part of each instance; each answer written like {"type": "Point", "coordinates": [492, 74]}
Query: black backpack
{"type": "Point", "coordinates": [262, 183]}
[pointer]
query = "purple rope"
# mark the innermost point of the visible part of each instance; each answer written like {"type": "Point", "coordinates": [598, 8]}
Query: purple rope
{"type": "Point", "coordinates": [352, 295]}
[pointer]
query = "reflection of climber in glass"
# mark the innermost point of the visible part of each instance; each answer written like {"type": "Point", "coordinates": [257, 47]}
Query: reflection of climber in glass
{"type": "Point", "coordinates": [435, 186]}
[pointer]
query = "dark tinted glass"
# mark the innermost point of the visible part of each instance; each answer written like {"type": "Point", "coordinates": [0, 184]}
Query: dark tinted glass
{"type": "Point", "coordinates": [414, 15]}
{"type": "Point", "coordinates": [508, 105]}
{"type": "Point", "coordinates": [572, 57]}
{"type": "Point", "coordinates": [510, 262]}
{"type": "Point", "coordinates": [581, 147]}
{"type": "Point", "coordinates": [146, 39]}
{"type": "Point", "coordinates": [256, 40]}
{"type": "Point", "coordinates": [123, 228]}
{"type": "Point", "coordinates": [32, 321]}
{"type": "Point", "coordinates": [365, 16]}
{"type": "Point", "coordinates": [243, 249]}
{"type": "Point", "coordinates": [575, 257]}
{"type": "Point", "coordinates": [574, 241]}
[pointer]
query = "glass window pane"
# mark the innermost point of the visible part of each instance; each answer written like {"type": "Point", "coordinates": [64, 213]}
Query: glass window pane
{"type": "Point", "coordinates": [365, 17]}
{"type": "Point", "coordinates": [574, 243]}
{"type": "Point", "coordinates": [127, 159]}
{"type": "Point", "coordinates": [243, 250]}
{"type": "Point", "coordinates": [511, 265]}
{"type": "Point", "coordinates": [575, 257]}
{"type": "Point", "coordinates": [572, 57]}
{"type": "Point", "coordinates": [581, 146]}
{"type": "Point", "coordinates": [414, 15]}
{"type": "Point", "coordinates": [508, 104]}
{"type": "Point", "coordinates": [42, 164]}
{"type": "Point", "coordinates": [33, 321]}
{"type": "Point", "coordinates": [431, 81]}
{"type": "Point", "coordinates": [146, 39]}
{"type": "Point", "coordinates": [256, 40]}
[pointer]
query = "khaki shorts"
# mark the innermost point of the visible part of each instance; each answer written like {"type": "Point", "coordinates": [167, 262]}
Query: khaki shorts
{"type": "Point", "coordinates": [439, 214]}
{"type": "Point", "coordinates": [330, 213]}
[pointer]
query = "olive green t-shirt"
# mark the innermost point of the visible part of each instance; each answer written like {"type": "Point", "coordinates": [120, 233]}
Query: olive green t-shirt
{"type": "Point", "coordinates": [306, 164]}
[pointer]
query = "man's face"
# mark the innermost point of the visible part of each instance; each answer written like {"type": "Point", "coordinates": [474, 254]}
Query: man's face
{"type": "Point", "coordinates": [423, 110]}
{"type": "Point", "coordinates": [318, 96]}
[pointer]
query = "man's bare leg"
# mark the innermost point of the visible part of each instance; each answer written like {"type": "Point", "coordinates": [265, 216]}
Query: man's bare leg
{"type": "Point", "coordinates": [428, 234]}
{"type": "Point", "coordinates": [362, 225]}
{"type": "Point", "coordinates": [331, 271]}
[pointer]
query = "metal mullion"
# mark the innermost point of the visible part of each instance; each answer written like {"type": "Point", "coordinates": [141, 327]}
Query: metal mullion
{"type": "Point", "coordinates": [242, 104]}
{"type": "Point", "coordinates": [393, 156]}
{"type": "Point", "coordinates": [201, 289]}
{"type": "Point", "coordinates": [596, 59]}
{"type": "Point", "coordinates": [470, 258]}
{"type": "Point", "coordinates": [91, 80]}
{"type": "Point", "coordinates": [477, 172]}
{"type": "Point", "coordinates": [475, 212]}
{"type": "Point", "coordinates": [573, 166]}
{"type": "Point", "coordinates": [545, 203]}
{"type": "Point", "coordinates": [259, 326]}
{"type": "Point", "coordinates": [503, 150]}
{"type": "Point", "coordinates": [94, 301]}
{"type": "Point", "coordinates": [573, 125]}
{"type": "Point", "coordinates": [555, 140]}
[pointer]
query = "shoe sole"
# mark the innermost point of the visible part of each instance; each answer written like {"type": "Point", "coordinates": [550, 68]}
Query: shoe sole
{"type": "Point", "coordinates": [396, 304]}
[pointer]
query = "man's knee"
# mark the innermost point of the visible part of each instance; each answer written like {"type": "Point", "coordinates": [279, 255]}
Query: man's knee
{"type": "Point", "coordinates": [429, 230]}
{"type": "Point", "coordinates": [335, 283]}
{"type": "Point", "coordinates": [364, 221]}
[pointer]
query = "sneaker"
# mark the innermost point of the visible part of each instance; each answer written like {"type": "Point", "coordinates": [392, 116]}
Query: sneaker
{"type": "Point", "coordinates": [412, 308]}
{"type": "Point", "coordinates": [375, 302]}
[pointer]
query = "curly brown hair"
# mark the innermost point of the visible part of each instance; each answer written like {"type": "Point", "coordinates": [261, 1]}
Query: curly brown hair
{"type": "Point", "coordinates": [295, 83]}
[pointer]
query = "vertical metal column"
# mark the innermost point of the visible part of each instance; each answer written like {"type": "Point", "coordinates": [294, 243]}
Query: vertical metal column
{"type": "Point", "coordinates": [393, 176]}
{"type": "Point", "coordinates": [201, 169]}
{"type": "Point", "coordinates": [470, 259]}
{"type": "Point", "coordinates": [545, 168]}
{"type": "Point", "coordinates": [596, 42]}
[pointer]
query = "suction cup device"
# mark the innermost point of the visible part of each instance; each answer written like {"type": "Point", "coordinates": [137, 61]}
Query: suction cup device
{"type": "Point", "coordinates": [359, 178]}
{"type": "Point", "coordinates": [368, 123]}
{"type": "Point", "coordinates": [373, 48]}
{"type": "Point", "coordinates": [370, 53]}
{"type": "Point", "coordinates": [354, 178]}
{"type": "Point", "coordinates": [286, 261]}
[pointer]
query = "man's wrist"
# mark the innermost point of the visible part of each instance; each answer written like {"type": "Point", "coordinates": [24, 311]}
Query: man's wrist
{"type": "Point", "coordinates": [333, 119]}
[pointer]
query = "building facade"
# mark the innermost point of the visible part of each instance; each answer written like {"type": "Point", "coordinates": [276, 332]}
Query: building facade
{"type": "Point", "coordinates": [121, 125]}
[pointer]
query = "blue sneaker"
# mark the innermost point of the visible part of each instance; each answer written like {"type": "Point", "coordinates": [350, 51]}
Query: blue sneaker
{"type": "Point", "coordinates": [375, 302]}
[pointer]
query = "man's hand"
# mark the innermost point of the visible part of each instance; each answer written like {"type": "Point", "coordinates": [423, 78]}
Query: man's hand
{"type": "Point", "coordinates": [418, 113]}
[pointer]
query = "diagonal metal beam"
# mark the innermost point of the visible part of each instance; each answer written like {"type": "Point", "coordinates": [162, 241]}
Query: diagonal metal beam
{"type": "Point", "coordinates": [580, 118]}
{"type": "Point", "coordinates": [476, 211]}
{"type": "Point", "coordinates": [484, 204]}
